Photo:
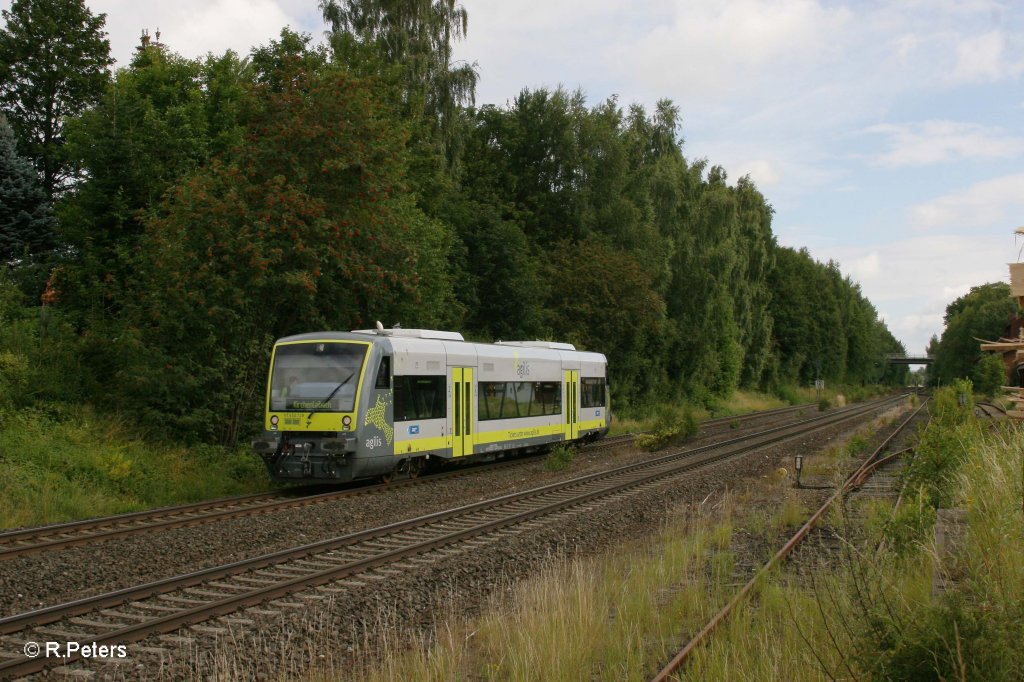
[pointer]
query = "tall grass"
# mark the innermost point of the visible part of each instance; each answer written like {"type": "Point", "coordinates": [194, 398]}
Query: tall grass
{"type": "Point", "coordinates": [743, 402]}
{"type": "Point", "coordinates": [868, 614]}
{"type": "Point", "coordinates": [63, 463]}
{"type": "Point", "coordinates": [617, 617]}
{"type": "Point", "coordinates": [611, 619]}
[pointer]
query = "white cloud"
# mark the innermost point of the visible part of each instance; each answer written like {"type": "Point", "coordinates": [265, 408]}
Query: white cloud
{"type": "Point", "coordinates": [931, 142]}
{"type": "Point", "coordinates": [916, 326]}
{"type": "Point", "coordinates": [999, 201]}
{"type": "Point", "coordinates": [866, 267]}
{"type": "Point", "coordinates": [762, 172]}
{"type": "Point", "coordinates": [981, 58]}
{"type": "Point", "coordinates": [911, 281]}
{"type": "Point", "coordinates": [718, 48]}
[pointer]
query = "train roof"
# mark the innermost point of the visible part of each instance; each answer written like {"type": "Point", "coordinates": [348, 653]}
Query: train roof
{"type": "Point", "coordinates": [322, 336]}
{"type": "Point", "coordinates": [430, 341]}
{"type": "Point", "coordinates": [412, 333]}
{"type": "Point", "coordinates": [553, 345]}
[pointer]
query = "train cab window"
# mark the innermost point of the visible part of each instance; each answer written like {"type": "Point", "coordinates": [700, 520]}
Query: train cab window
{"type": "Point", "coordinates": [420, 397]}
{"type": "Point", "coordinates": [384, 373]}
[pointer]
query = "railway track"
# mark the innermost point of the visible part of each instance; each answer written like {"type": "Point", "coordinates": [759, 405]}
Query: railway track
{"type": "Point", "coordinates": [731, 421]}
{"type": "Point", "coordinates": [886, 466]}
{"type": "Point", "coordinates": [60, 536]}
{"type": "Point", "coordinates": [133, 614]}
{"type": "Point", "coordinates": [989, 410]}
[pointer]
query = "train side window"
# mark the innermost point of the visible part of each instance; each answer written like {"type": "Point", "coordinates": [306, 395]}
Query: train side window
{"type": "Point", "coordinates": [512, 399]}
{"type": "Point", "coordinates": [384, 373]}
{"type": "Point", "coordinates": [420, 397]}
{"type": "Point", "coordinates": [592, 392]}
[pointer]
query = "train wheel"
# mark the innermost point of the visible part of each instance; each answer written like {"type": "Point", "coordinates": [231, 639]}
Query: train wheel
{"type": "Point", "coordinates": [388, 477]}
{"type": "Point", "coordinates": [415, 467]}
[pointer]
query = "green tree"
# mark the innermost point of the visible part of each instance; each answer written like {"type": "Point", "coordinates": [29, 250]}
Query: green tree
{"type": "Point", "coordinates": [989, 374]}
{"type": "Point", "coordinates": [502, 214]}
{"type": "Point", "coordinates": [162, 118]}
{"type": "Point", "coordinates": [506, 280]}
{"type": "Point", "coordinates": [26, 218]}
{"type": "Point", "coordinates": [416, 37]}
{"type": "Point", "coordinates": [547, 176]}
{"type": "Point", "coordinates": [54, 59]}
{"type": "Point", "coordinates": [707, 352]}
{"type": "Point", "coordinates": [307, 226]}
{"type": "Point", "coordinates": [982, 313]}
{"type": "Point", "coordinates": [280, 59]}
{"type": "Point", "coordinates": [824, 327]}
{"type": "Point", "coordinates": [600, 298]}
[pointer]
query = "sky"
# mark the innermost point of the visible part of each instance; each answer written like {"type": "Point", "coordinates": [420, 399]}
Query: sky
{"type": "Point", "coordinates": [888, 136]}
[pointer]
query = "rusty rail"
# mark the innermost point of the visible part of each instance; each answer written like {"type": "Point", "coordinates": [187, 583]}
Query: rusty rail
{"type": "Point", "coordinates": [855, 480]}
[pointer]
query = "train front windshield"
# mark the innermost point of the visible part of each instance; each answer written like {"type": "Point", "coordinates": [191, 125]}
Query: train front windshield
{"type": "Point", "coordinates": [316, 377]}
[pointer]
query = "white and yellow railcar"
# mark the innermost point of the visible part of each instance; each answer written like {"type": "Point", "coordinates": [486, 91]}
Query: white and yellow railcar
{"type": "Point", "coordinates": [347, 405]}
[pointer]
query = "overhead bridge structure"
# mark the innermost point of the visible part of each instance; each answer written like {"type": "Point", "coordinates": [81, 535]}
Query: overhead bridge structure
{"type": "Point", "coordinates": [903, 359]}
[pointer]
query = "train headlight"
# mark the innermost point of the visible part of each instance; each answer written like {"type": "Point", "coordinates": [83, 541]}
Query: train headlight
{"type": "Point", "coordinates": [274, 420]}
{"type": "Point", "coordinates": [346, 421]}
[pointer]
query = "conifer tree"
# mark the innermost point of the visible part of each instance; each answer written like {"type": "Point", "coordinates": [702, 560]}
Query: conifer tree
{"type": "Point", "coordinates": [26, 220]}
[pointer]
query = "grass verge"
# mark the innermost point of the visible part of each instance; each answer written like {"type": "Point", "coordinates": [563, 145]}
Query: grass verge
{"type": "Point", "coordinates": [741, 402]}
{"type": "Point", "coordinates": [65, 463]}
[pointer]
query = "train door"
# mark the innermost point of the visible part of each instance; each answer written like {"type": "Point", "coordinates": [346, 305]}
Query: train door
{"type": "Point", "coordinates": [572, 404]}
{"type": "Point", "coordinates": [462, 411]}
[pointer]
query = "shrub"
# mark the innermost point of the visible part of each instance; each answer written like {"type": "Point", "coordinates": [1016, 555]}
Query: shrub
{"type": "Point", "coordinates": [989, 374]}
{"type": "Point", "coordinates": [38, 353]}
{"type": "Point", "coordinates": [856, 445]}
{"type": "Point", "coordinates": [908, 527]}
{"type": "Point", "coordinates": [941, 449]}
{"type": "Point", "coordinates": [559, 458]}
{"type": "Point", "coordinates": [672, 424]}
{"type": "Point", "coordinates": [972, 630]}
{"type": "Point", "coordinates": [857, 394]}
{"type": "Point", "coordinates": [790, 394]}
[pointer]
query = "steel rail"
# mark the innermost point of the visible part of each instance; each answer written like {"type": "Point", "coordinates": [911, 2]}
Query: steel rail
{"type": "Point", "coordinates": [55, 536]}
{"type": "Point", "coordinates": [613, 441]}
{"type": "Point", "coordinates": [985, 408]}
{"type": "Point", "coordinates": [57, 528]}
{"type": "Point", "coordinates": [651, 472]}
{"type": "Point", "coordinates": [177, 517]}
{"type": "Point", "coordinates": [851, 482]}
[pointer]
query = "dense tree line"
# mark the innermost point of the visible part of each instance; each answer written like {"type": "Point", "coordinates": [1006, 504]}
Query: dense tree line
{"type": "Point", "coordinates": [210, 206]}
